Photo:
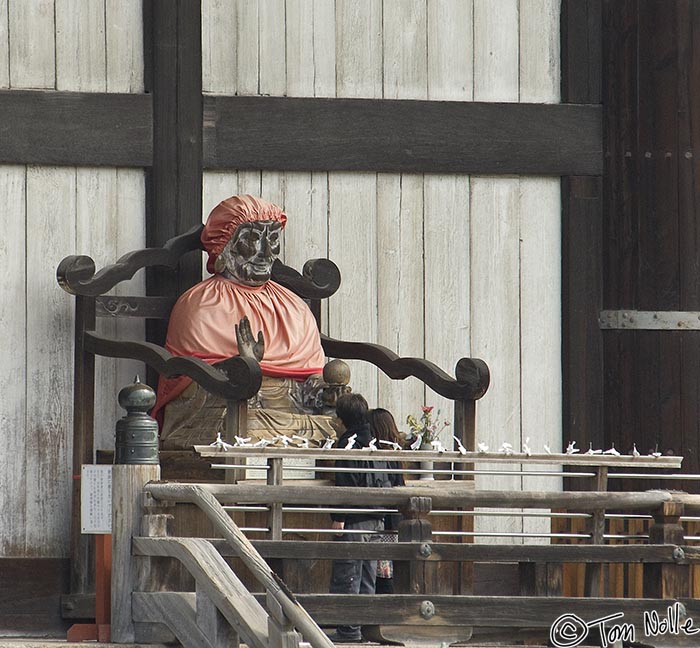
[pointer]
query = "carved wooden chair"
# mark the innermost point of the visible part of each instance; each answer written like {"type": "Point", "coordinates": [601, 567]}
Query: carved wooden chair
{"type": "Point", "coordinates": [319, 279]}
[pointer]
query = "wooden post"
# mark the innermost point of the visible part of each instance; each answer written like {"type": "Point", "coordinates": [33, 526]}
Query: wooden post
{"type": "Point", "coordinates": [411, 577]}
{"type": "Point", "coordinates": [540, 579]}
{"type": "Point", "coordinates": [157, 574]}
{"type": "Point", "coordinates": [274, 478]}
{"type": "Point", "coordinates": [465, 431]}
{"type": "Point", "coordinates": [127, 488]}
{"type": "Point", "coordinates": [594, 579]}
{"type": "Point", "coordinates": [280, 629]}
{"type": "Point", "coordinates": [83, 421]}
{"type": "Point", "coordinates": [236, 424]}
{"type": "Point", "coordinates": [667, 581]}
{"type": "Point", "coordinates": [465, 423]}
{"type": "Point", "coordinates": [213, 624]}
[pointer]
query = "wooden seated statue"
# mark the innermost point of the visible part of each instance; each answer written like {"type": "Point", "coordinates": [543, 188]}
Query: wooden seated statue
{"type": "Point", "coordinates": [215, 320]}
{"type": "Point", "coordinates": [206, 363]}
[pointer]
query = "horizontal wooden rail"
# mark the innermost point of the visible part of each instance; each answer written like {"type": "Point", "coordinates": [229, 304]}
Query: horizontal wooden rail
{"type": "Point", "coordinates": [76, 128]}
{"type": "Point", "coordinates": [593, 460]}
{"type": "Point", "coordinates": [403, 136]}
{"type": "Point", "coordinates": [484, 611]}
{"type": "Point", "coordinates": [448, 496]}
{"type": "Point", "coordinates": [449, 552]}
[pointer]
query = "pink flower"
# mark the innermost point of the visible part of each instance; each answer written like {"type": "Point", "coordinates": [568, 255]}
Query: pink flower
{"type": "Point", "coordinates": [426, 409]}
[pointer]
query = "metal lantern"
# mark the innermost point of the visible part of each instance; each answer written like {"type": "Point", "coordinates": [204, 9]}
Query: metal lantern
{"type": "Point", "coordinates": [137, 432]}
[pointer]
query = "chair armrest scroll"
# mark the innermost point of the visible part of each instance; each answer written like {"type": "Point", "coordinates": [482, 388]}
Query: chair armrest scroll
{"type": "Point", "coordinates": [320, 278]}
{"type": "Point", "coordinates": [472, 374]}
{"type": "Point", "coordinates": [237, 378]}
{"type": "Point", "coordinates": [76, 273]}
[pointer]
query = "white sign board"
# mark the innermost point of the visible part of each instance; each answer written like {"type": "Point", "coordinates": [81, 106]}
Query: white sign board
{"type": "Point", "coordinates": [96, 499]}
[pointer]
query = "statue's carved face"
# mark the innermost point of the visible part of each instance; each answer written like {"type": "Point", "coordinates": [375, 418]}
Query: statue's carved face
{"type": "Point", "coordinates": [252, 250]}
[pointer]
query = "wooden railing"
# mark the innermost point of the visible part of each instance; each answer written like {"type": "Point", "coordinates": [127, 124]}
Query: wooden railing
{"type": "Point", "coordinates": [221, 607]}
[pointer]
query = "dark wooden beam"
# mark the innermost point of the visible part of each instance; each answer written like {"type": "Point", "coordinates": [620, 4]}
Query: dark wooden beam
{"type": "Point", "coordinates": [75, 128]}
{"type": "Point", "coordinates": [172, 46]}
{"type": "Point", "coordinates": [480, 611]}
{"type": "Point", "coordinates": [582, 237]}
{"type": "Point", "coordinates": [30, 596]}
{"type": "Point", "coordinates": [401, 136]}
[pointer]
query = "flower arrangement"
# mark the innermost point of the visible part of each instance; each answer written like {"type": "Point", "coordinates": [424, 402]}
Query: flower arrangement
{"type": "Point", "coordinates": [424, 431]}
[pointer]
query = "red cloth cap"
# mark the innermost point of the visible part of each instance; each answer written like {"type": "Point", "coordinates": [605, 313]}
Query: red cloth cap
{"type": "Point", "coordinates": [228, 215]}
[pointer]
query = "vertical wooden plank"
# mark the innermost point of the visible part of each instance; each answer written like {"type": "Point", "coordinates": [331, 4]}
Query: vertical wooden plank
{"type": "Point", "coordinates": [80, 45]}
{"type": "Point", "coordinates": [306, 204]}
{"type": "Point", "coordinates": [621, 255]}
{"type": "Point", "coordinates": [250, 182]}
{"type": "Point", "coordinates": [324, 49]}
{"type": "Point", "coordinates": [582, 342]}
{"type": "Point", "coordinates": [540, 312]}
{"type": "Point", "coordinates": [583, 229]}
{"type": "Point", "coordinates": [310, 72]}
{"type": "Point", "coordinates": [659, 233]}
{"type": "Point", "coordinates": [32, 44]}
{"type": "Point", "coordinates": [352, 245]}
{"type": "Point", "coordinates": [688, 178]}
{"type": "Point", "coordinates": [400, 284]}
{"type": "Point", "coordinates": [97, 237]}
{"type": "Point", "coordinates": [248, 75]}
{"type": "Point", "coordinates": [50, 200]}
{"type": "Point", "coordinates": [358, 48]}
{"type": "Point", "coordinates": [174, 186]}
{"type": "Point", "coordinates": [81, 66]}
{"type": "Point", "coordinates": [247, 47]}
{"type": "Point", "coordinates": [446, 198]}
{"type": "Point", "coordinates": [450, 50]}
{"type": "Point", "coordinates": [217, 186]}
{"type": "Point", "coordinates": [300, 51]}
{"type": "Point", "coordinates": [495, 270]}
{"type": "Point", "coordinates": [13, 321]}
{"type": "Point", "coordinates": [130, 215]}
{"type": "Point", "coordinates": [495, 311]}
{"type": "Point", "coordinates": [272, 187]}
{"type": "Point", "coordinates": [581, 50]}
{"type": "Point", "coordinates": [273, 78]}
{"type": "Point", "coordinates": [272, 25]}
{"type": "Point", "coordinates": [124, 38]}
{"type": "Point", "coordinates": [352, 197]}
{"type": "Point", "coordinates": [540, 258]}
{"type": "Point", "coordinates": [400, 211]}
{"type": "Point", "coordinates": [219, 55]}
{"type": "Point", "coordinates": [447, 278]}
{"type": "Point", "coordinates": [405, 56]}
{"type": "Point", "coordinates": [540, 51]}
{"type": "Point", "coordinates": [496, 50]}
{"type": "Point", "coordinates": [125, 73]}
{"type": "Point", "coordinates": [4, 46]}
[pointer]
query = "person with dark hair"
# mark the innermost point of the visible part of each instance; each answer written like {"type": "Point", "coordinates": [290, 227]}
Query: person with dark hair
{"type": "Point", "coordinates": [382, 427]}
{"type": "Point", "coordinates": [353, 576]}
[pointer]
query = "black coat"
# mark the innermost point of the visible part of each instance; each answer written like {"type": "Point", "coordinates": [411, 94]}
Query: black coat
{"type": "Point", "coordinates": [376, 477]}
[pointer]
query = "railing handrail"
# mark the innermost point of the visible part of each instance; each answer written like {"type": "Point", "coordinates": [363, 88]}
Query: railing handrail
{"type": "Point", "coordinates": [458, 552]}
{"type": "Point", "coordinates": [453, 494]}
{"type": "Point", "coordinates": [198, 495]}
{"type": "Point", "coordinates": [609, 461]}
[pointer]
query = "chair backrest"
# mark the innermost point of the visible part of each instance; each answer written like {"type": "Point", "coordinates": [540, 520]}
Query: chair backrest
{"type": "Point", "coordinates": [319, 279]}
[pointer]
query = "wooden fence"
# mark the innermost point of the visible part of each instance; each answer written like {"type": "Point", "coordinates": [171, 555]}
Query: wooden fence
{"type": "Point", "coordinates": [219, 604]}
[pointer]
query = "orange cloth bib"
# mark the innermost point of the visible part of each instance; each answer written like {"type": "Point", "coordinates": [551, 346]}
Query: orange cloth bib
{"type": "Point", "coordinates": [202, 325]}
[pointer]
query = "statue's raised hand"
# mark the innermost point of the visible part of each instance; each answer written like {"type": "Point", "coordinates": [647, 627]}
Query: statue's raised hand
{"type": "Point", "coordinates": [248, 346]}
